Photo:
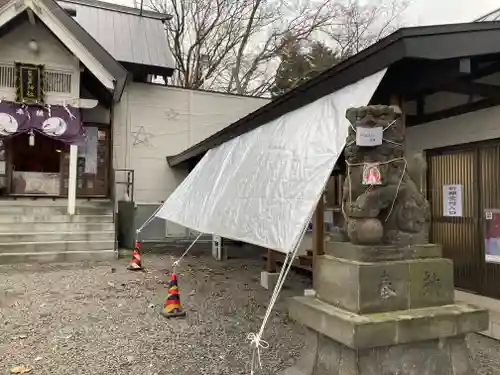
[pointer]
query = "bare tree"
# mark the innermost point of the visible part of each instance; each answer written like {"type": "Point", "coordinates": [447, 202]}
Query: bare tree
{"type": "Point", "coordinates": [360, 25]}
{"type": "Point", "coordinates": [233, 45]}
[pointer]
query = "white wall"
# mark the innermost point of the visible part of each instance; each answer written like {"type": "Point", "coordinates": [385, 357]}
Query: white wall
{"type": "Point", "coordinates": [152, 122]}
{"type": "Point", "coordinates": [471, 127]}
{"type": "Point", "coordinates": [51, 53]}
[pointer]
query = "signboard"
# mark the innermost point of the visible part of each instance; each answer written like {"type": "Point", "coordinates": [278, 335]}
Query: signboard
{"type": "Point", "coordinates": [452, 200]}
{"type": "Point", "coordinates": [369, 137]}
{"type": "Point", "coordinates": [29, 83]}
{"type": "Point", "coordinates": [492, 235]}
{"type": "Point", "coordinates": [371, 174]}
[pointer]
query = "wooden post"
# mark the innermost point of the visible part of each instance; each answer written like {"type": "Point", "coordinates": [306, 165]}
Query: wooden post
{"type": "Point", "coordinates": [271, 261]}
{"type": "Point", "coordinates": [318, 229]}
{"type": "Point", "coordinates": [73, 158]}
{"type": "Point", "coordinates": [398, 100]}
{"type": "Point", "coordinates": [395, 99]}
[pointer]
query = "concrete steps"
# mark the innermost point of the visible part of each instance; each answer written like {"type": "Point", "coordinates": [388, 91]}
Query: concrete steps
{"type": "Point", "coordinates": [35, 231]}
{"type": "Point", "coordinates": [55, 246]}
{"type": "Point", "coordinates": [55, 227]}
{"type": "Point", "coordinates": [7, 238]}
{"type": "Point", "coordinates": [49, 210]}
{"type": "Point", "coordinates": [60, 202]}
{"type": "Point", "coordinates": [56, 219]}
{"type": "Point", "coordinates": [58, 257]}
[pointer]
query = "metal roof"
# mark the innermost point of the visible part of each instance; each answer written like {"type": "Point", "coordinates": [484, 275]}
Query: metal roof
{"type": "Point", "coordinates": [427, 43]}
{"type": "Point", "coordinates": [128, 34]}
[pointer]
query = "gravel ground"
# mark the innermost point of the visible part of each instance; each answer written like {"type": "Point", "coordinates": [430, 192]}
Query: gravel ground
{"type": "Point", "coordinates": [101, 319]}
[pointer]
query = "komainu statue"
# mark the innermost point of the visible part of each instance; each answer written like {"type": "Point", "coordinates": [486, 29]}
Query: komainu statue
{"type": "Point", "coordinates": [382, 204]}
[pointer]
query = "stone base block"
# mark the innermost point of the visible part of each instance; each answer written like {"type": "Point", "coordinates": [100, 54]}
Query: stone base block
{"type": "Point", "coordinates": [323, 356]}
{"type": "Point", "coordinates": [373, 287]}
{"type": "Point", "coordinates": [268, 280]}
{"type": "Point", "coordinates": [390, 328]}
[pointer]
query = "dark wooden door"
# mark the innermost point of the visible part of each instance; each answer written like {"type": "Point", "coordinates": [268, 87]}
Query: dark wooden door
{"type": "Point", "coordinates": [459, 235]}
{"type": "Point", "coordinates": [476, 168]}
{"type": "Point", "coordinates": [92, 164]}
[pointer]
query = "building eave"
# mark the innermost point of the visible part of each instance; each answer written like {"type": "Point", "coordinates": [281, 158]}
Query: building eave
{"type": "Point", "coordinates": [105, 68]}
{"type": "Point", "coordinates": [100, 55]}
{"type": "Point", "coordinates": [429, 42]}
{"type": "Point", "coordinates": [120, 9]}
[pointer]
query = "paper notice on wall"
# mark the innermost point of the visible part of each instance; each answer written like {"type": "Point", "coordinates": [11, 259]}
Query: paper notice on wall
{"type": "Point", "coordinates": [452, 200]}
{"type": "Point", "coordinates": [492, 235]}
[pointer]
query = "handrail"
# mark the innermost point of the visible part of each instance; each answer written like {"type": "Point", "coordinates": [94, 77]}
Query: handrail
{"type": "Point", "coordinates": [129, 183]}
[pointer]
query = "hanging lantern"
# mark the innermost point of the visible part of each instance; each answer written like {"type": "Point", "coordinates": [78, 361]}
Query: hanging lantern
{"type": "Point", "coordinates": [31, 140]}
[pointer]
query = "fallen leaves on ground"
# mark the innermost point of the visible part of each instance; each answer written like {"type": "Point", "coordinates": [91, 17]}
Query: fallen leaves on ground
{"type": "Point", "coordinates": [20, 370]}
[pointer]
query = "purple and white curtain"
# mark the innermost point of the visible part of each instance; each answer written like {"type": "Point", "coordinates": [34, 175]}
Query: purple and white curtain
{"type": "Point", "coordinates": [56, 121]}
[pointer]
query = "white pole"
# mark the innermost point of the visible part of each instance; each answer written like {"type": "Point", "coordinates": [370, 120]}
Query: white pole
{"type": "Point", "coordinates": [73, 154]}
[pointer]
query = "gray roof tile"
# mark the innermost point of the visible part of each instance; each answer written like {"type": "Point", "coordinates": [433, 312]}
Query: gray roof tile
{"type": "Point", "coordinates": [126, 35]}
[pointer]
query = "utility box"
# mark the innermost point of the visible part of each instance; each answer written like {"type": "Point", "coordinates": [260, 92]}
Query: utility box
{"type": "Point", "coordinates": [125, 224]}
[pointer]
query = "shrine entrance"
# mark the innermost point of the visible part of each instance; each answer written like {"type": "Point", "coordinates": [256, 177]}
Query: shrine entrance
{"type": "Point", "coordinates": [38, 166]}
{"type": "Point", "coordinates": [35, 163]}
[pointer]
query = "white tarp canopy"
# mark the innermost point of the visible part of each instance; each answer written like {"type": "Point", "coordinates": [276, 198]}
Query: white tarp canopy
{"type": "Point", "coordinates": [262, 187]}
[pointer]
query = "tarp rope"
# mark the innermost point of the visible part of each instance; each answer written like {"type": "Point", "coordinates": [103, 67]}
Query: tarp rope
{"type": "Point", "coordinates": [178, 261]}
{"type": "Point", "coordinates": [149, 220]}
{"type": "Point", "coordinates": [256, 341]}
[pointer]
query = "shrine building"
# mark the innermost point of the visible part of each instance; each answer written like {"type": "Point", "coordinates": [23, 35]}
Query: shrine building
{"type": "Point", "coordinates": [83, 124]}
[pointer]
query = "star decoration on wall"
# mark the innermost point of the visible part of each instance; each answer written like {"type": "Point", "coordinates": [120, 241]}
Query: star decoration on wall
{"type": "Point", "coordinates": [141, 136]}
{"type": "Point", "coordinates": [171, 114]}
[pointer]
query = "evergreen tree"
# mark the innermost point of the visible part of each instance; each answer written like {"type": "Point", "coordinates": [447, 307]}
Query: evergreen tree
{"type": "Point", "coordinates": [299, 62]}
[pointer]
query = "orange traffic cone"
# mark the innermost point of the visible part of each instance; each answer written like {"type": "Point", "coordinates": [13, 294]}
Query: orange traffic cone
{"type": "Point", "coordinates": [172, 306]}
{"type": "Point", "coordinates": [135, 262]}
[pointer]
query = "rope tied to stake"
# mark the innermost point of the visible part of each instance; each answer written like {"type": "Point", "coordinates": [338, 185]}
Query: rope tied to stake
{"type": "Point", "coordinates": [149, 220]}
{"type": "Point", "coordinates": [257, 343]}
{"type": "Point", "coordinates": [178, 261]}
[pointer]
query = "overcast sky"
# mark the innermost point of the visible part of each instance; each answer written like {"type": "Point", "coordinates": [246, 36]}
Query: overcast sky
{"type": "Point", "coordinates": [429, 12]}
{"type": "Point", "coordinates": [426, 12]}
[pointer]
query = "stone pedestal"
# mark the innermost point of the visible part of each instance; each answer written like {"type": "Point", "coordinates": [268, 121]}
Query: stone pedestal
{"type": "Point", "coordinates": [384, 311]}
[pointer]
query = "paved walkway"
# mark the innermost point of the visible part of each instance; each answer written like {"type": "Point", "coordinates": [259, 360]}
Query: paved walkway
{"type": "Point", "coordinates": [102, 319]}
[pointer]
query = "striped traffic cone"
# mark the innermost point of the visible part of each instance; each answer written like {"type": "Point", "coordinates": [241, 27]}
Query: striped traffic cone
{"type": "Point", "coordinates": [172, 306]}
{"type": "Point", "coordinates": [135, 262]}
